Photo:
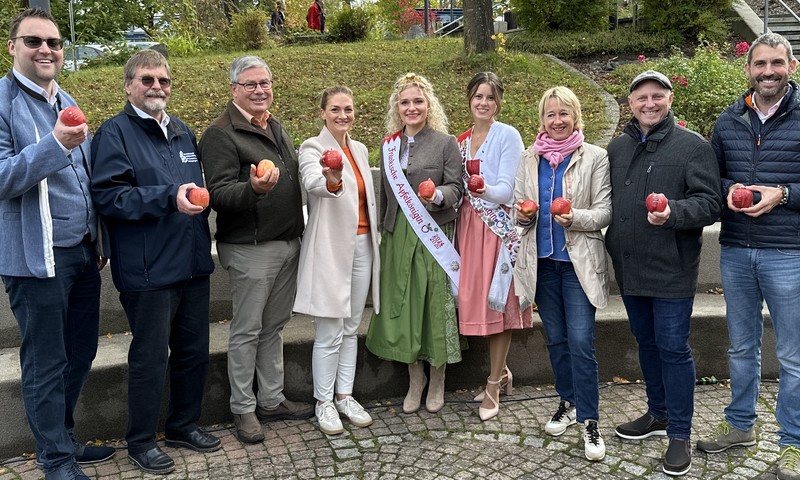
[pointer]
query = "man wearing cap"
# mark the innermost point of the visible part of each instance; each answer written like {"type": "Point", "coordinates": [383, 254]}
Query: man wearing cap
{"type": "Point", "coordinates": [756, 143]}
{"type": "Point", "coordinates": [656, 254]}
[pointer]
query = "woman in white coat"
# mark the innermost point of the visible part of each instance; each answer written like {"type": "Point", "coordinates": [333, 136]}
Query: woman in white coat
{"type": "Point", "coordinates": [339, 258]}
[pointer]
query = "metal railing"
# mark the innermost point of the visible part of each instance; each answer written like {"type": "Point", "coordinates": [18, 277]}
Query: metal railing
{"type": "Point", "coordinates": [788, 9]}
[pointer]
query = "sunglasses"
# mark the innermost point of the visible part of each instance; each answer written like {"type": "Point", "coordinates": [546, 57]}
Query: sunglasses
{"type": "Point", "coordinates": [148, 81]}
{"type": "Point", "coordinates": [32, 41]}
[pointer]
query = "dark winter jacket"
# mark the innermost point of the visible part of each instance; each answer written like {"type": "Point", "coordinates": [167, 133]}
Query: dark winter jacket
{"type": "Point", "coordinates": [230, 145]}
{"type": "Point", "coordinates": [754, 154]}
{"type": "Point", "coordinates": [660, 261]}
{"type": "Point", "coordinates": [136, 173]}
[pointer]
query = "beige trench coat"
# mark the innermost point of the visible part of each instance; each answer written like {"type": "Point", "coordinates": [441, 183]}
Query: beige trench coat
{"type": "Point", "coordinates": [587, 184]}
{"type": "Point", "coordinates": [326, 254]}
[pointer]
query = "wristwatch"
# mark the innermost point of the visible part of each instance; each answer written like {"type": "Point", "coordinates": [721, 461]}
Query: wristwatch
{"type": "Point", "coordinates": [785, 196]}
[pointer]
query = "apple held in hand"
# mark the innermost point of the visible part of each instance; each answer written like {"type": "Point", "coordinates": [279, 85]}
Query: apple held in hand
{"type": "Point", "coordinates": [263, 167]}
{"type": "Point", "coordinates": [560, 206]}
{"type": "Point", "coordinates": [742, 198]}
{"type": "Point", "coordinates": [427, 189]}
{"type": "Point", "coordinates": [473, 166]}
{"type": "Point", "coordinates": [475, 183]}
{"type": "Point", "coordinates": [72, 117]}
{"type": "Point", "coordinates": [656, 202]}
{"type": "Point", "coordinates": [528, 207]}
{"type": "Point", "coordinates": [332, 159]}
{"type": "Point", "coordinates": [199, 196]}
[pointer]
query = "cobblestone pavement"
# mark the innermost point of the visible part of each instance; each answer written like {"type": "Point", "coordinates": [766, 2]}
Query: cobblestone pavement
{"type": "Point", "coordinates": [455, 444]}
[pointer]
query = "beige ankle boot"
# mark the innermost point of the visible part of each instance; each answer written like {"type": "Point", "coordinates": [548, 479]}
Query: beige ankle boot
{"type": "Point", "coordinates": [435, 400]}
{"type": "Point", "coordinates": [416, 384]}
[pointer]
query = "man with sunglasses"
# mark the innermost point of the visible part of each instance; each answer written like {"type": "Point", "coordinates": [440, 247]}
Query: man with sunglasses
{"type": "Point", "coordinates": [48, 230]}
{"type": "Point", "coordinates": [144, 163]}
{"type": "Point", "coordinates": [259, 223]}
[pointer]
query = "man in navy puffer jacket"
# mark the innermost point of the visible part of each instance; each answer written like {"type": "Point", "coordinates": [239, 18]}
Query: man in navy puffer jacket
{"type": "Point", "coordinates": [757, 143]}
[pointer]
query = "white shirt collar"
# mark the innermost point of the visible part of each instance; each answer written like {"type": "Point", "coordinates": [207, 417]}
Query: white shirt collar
{"type": "Point", "coordinates": [145, 115]}
{"type": "Point", "coordinates": [51, 98]}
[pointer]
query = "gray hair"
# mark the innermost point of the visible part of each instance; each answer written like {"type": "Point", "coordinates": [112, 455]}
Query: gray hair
{"type": "Point", "coordinates": [145, 58]}
{"type": "Point", "coordinates": [772, 40]}
{"type": "Point", "coordinates": [245, 63]}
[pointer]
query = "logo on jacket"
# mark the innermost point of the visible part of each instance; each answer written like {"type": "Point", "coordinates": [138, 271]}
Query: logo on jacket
{"type": "Point", "coordinates": [189, 157]}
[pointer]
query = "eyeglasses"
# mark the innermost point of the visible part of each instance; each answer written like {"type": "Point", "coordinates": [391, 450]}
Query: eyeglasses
{"type": "Point", "coordinates": [251, 86]}
{"type": "Point", "coordinates": [32, 41]}
{"type": "Point", "coordinates": [148, 81]}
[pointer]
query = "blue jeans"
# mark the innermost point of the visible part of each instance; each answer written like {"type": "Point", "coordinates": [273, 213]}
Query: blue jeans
{"type": "Point", "coordinates": [170, 329]}
{"type": "Point", "coordinates": [661, 327]}
{"type": "Point", "coordinates": [58, 320]}
{"type": "Point", "coordinates": [568, 320]}
{"type": "Point", "coordinates": [751, 276]}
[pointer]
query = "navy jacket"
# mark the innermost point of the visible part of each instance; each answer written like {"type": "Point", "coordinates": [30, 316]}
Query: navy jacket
{"type": "Point", "coordinates": [136, 173]}
{"type": "Point", "coordinates": [768, 154]}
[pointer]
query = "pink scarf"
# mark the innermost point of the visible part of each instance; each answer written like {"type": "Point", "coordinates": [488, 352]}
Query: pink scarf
{"type": "Point", "coordinates": [555, 150]}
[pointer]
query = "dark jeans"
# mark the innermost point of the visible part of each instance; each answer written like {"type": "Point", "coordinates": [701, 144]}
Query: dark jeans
{"type": "Point", "coordinates": [58, 321]}
{"type": "Point", "coordinates": [170, 329]}
{"type": "Point", "coordinates": [661, 327]}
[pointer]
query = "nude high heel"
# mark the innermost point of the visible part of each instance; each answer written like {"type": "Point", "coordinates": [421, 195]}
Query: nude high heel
{"type": "Point", "coordinates": [506, 385]}
{"type": "Point", "coordinates": [489, 413]}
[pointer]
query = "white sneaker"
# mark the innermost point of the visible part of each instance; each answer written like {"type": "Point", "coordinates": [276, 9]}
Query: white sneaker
{"type": "Point", "coordinates": [563, 418]}
{"type": "Point", "coordinates": [594, 448]}
{"type": "Point", "coordinates": [353, 410]}
{"type": "Point", "coordinates": [328, 418]}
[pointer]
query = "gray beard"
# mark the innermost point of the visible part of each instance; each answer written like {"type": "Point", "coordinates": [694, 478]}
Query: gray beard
{"type": "Point", "coordinates": [154, 105]}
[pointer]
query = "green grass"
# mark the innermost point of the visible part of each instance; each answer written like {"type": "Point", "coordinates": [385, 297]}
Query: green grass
{"type": "Point", "coordinates": [200, 89]}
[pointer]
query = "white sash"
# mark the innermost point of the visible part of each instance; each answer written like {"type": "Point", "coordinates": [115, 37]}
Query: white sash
{"type": "Point", "coordinates": [500, 223]}
{"type": "Point", "coordinates": [424, 226]}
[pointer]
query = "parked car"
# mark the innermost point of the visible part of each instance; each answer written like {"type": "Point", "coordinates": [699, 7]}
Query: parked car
{"type": "Point", "coordinates": [83, 53]}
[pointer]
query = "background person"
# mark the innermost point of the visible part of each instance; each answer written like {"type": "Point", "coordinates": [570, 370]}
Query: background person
{"type": "Point", "coordinates": [144, 162]}
{"type": "Point", "coordinates": [564, 256]}
{"type": "Point", "coordinates": [656, 255]}
{"type": "Point", "coordinates": [48, 230]}
{"type": "Point", "coordinates": [760, 256]}
{"type": "Point", "coordinates": [339, 260]}
{"type": "Point", "coordinates": [259, 224]}
{"type": "Point", "coordinates": [486, 238]}
{"type": "Point", "coordinates": [417, 321]}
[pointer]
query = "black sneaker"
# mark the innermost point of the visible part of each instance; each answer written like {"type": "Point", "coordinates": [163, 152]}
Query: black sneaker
{"type": "Point", "coordinates": [678, 457]}
{"type": "Point", "coordinates": [643, 427]}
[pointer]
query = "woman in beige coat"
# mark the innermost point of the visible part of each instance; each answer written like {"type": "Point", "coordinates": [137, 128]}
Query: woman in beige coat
{"type": "Point", "coordinates": [339, 258]}
{"type": "Point", "coordinates": [562, 259]}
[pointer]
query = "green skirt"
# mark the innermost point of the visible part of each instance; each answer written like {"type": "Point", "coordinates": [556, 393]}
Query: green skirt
{"type": "Point", "coordinates": [418, 313]}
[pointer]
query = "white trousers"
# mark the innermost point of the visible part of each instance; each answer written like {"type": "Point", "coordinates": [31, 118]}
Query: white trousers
{"type": "Point", "coordinates": [336, 343]}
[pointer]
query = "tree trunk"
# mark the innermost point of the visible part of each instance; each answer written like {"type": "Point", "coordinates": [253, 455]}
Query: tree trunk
{"type": "Point", "coordinates": [478, 26]}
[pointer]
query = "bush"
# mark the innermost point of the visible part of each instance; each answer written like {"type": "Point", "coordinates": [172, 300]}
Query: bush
{"type": "Point", "coordinates": [248, 31]}
{"type": "Point", "coordinates": [696, 19]}
{"type": "Point", "coordinates": [704, 85]}
{"type": "Point", "coordinates": [575, 44]}
{"type": "Point", "coordinates": [569, 15]}
{"type": "Point", "coordinates": [350, 25]}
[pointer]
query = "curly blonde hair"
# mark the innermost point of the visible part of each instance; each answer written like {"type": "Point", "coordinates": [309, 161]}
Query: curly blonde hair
{"type": "Point", "coordinates": [437, 119]}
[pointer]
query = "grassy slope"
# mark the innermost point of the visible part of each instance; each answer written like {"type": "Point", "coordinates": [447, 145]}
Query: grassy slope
{"type": "Point", "coordinates": [200, 89]}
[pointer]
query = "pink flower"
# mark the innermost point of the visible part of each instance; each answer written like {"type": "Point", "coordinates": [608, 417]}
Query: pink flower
{"type": "Point", "coordinates": [684, 82]}
{"type": "Point", "coordinates": [675, 78]}
{"type": "Point", "coordinates": [641, 58]}
{"type": "Point", "coordinates": [682, 123]}
{"type": "Point", "coordinates": [741, 48]}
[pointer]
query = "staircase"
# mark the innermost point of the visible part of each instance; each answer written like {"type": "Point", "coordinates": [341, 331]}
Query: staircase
{"type": "Point", "coordinates": [788, 25]}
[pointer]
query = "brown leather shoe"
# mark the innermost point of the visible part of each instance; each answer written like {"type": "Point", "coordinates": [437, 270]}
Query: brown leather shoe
{"type": "Point", "coordinates": [286, 410]}
{"type": "Point", "coordinates": [248, 428]}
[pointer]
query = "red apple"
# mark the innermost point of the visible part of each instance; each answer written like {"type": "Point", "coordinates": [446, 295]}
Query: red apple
{"type": "Point", "coordinates": [528, 207]}
{"type": "Point", "coordinates": [560, 206]}
{"type": "Point", "coordinates": [332, 159]}
{"type": "Point", "coordinates": [199, 196]}
{"type": "Point", "coordinates": [263, 167]}
{"type": "Point", "coordinates": [72, 117]}
{"type": "Point", "coordinates": [427, 189]}
{"type": "Point", "coordinates": [475, 183]}
{"type": "Point", "coordinates": [473, 166]}
{"type": "Point", "coordinates": [656, 202]}
{"type": "Point", "coordinates": [742, 198]}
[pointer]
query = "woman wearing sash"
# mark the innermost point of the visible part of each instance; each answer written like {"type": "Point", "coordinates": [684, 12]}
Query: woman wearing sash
{"type": "Point", "coordinates": [486, 238]}
{"type": "Point", "coordinates": [562, 258]}
{"type": "Point", "coordinates": [339, 261]}
{"type": "Point", "coordinates": [419, 265]}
